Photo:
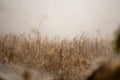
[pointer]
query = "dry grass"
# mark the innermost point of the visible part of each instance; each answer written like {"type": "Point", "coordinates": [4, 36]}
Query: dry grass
{"type": "Point", "coordinates": [66, 59]}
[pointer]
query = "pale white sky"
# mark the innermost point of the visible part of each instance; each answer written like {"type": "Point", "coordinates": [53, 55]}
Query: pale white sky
{"type": "Point", "coordinates": [59, 17]}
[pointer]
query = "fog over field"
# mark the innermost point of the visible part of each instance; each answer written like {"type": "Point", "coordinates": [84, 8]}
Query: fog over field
{"type": "Point", "coordinates": [60, 17]}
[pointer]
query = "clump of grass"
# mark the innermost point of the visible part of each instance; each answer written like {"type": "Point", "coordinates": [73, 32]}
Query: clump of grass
{"type": "Point", "coordinates": [66, 59]}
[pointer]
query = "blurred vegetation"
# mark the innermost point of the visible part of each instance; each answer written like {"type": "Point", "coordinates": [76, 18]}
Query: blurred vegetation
{"type": "Point", "coordinates": [66, 59]}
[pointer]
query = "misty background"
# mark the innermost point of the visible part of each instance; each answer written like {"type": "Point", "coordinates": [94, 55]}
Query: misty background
{"type": "Point", "coordinates": [60, 17]}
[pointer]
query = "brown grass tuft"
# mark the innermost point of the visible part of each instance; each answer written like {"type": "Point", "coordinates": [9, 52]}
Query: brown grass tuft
{"type": "Point", "coordinates": [66, 59]}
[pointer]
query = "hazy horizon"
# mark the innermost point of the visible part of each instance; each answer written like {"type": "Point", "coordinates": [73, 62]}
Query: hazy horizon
{"type": "Point", "coordinates": [60, 17]}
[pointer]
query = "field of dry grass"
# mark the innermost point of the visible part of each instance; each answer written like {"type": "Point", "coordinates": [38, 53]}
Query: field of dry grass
{"type": "Point", "coordinates": [65, 59]}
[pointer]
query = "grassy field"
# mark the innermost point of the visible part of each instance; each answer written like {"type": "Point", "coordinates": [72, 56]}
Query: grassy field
{"type": "Point", "coordinates": [65, 59]}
